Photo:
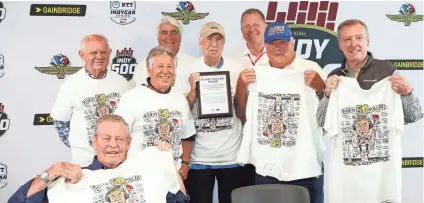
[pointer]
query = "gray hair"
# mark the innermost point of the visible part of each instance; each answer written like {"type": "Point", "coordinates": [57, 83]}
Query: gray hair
{"type": "Point", "coordinates": [351, 22]}
{"type": "Point", "coordinates": [159, 51]}
{"type": "Point", "coordinates": [90, 37]}
{"type": "Point", "coordinates": [170, 20]}
{"type": "Point", "coordinates": [112, 118]}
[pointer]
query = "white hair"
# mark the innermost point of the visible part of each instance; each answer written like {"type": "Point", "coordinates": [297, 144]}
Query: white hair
{"type": "Point", "coordinates": [159, 51]}
{"type": "Point", "coordinates": [90, 37]}
{"type": "Point", "coordinates": [170, 20]}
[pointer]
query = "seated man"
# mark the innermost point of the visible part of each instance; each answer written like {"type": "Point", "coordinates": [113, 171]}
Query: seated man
{"type": "Point", "coordinates": [111, 142]}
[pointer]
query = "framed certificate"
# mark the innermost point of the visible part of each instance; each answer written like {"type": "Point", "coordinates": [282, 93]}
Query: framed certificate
{"type": "Point", "coordinates": [214, 95]}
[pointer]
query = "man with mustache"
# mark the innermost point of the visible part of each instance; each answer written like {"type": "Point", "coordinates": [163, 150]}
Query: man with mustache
{"type": "Point", "coordinates": [154, 112]}
{"type": "Point", "coordinates": [169, 33]}
{"type": "Point", "coordinates": [85, 96]}
{"type": "Point", "coordinates": [111, 142]}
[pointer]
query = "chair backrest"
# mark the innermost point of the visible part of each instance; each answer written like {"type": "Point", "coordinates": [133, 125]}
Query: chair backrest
{"type": "Point", "coordinates": [271, 193]}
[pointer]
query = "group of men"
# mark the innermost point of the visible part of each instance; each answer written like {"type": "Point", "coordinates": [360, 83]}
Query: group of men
{"type": "Point", "coordinates": [98, 114]}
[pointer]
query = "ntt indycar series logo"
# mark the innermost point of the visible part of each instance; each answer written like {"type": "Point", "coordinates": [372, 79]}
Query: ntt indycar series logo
{"type": "Point", "coordinates": [122, 12]}
{"type": "Point", "coordinates": [312, 25]}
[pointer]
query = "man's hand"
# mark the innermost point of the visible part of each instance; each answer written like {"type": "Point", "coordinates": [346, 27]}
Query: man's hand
{"type": "Point", "coordinates": [331, 84]}
{"type": "Point", "coordinates": [184, 171]}
{"type": "Point", "coordinates": [400, 85]}
{"type": "Point", "coordinates": [246, 77]}
{"type": "Point", "coordinates": [162, 145]}
{"type": "Point", "coordinates": [313, 80]}
{"type": "Point", "coordinates": [71, 172]}
{"type": "Point", "coordinates": [192, 80]}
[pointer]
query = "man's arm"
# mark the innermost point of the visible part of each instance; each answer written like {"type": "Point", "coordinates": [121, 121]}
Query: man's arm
{"type": "Point", "coordinates": [322, 111]}
{"type": "Point", "coordinates": [62, 128]}
{"type": "Point", "coordinates": [187, 146]}
{"type": "Point", "coordinates": [34, 191]}
{"type": "Point", "coordinates": [240, 101]}
{"type": "Point", "coordinates": [412, 110]}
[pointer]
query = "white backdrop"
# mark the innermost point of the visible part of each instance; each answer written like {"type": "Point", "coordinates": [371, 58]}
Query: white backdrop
{"type": "Point", "coordinates": [29, 41]}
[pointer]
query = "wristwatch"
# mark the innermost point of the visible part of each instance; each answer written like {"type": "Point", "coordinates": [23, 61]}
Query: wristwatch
{"type": "Point", "coordinates": [45, 177]}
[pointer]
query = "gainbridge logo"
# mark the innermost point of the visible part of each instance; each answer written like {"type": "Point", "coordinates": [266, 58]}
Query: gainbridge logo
{"type": "Point", "coordinates": [312, 25]}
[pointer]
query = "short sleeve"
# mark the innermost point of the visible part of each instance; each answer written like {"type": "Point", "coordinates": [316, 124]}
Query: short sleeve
{"type": "Point", "coordinates": [397, 110]}
{"type": "Point", "coordinates": [189, 128]}
{"type": "Point", "coordinates": [62, 108]}
{"type": "Point", "coordinates": [170, 171]}
{"type": "Point", "coordinates": [331, 124]}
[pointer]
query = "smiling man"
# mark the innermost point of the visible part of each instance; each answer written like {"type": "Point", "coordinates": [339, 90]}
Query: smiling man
{"type": "Point", "coordinates": [85, 96]}
{"type": "Point", "coordinates": [169, 32]}
{"type": "Point", "coordinates": [111, 141]}
{"type": "Point", "coordinates": [154, 112]}
{"type": "Point", "coordinates": [253, 27]}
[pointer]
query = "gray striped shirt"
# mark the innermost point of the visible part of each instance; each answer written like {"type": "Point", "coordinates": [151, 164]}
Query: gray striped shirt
{"type": "Point", "coordinates": [411, 106]}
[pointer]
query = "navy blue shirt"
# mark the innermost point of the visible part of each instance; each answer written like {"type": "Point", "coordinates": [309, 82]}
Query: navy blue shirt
{"type": "Point", "coordinates": [20, 196]}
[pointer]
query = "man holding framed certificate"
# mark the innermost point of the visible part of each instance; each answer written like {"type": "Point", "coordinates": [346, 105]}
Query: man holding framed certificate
{"type": "Point", "coordinates": [210, 90]}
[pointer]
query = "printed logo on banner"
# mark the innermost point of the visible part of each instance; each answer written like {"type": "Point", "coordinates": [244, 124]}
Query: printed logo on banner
{"type": "Point", "coordinates": [57, 10]}
{"type": "Point", "coordinates": [4, 121]}
{"type": "Point", "coordinates": [3, 175]}
{"type": "Point", "coordinates": [312, 25]}
{"type": "Point", "coordinates": [1, 65]}
{"type": "Point", "coordinates": [408, 64]}
{"type": "Point", "coordinates": [407, 15]}
{"type": "Point", "coordinates": [124, 63]}
{"type": "Point", "coordinates": [412, 162]}
{"type": "Point", "coordinates": [43, 119]}
{"type": "Point", "coordinates": [122, 12]}
{"type": "Point", "coordinates": [186, 13]}
{"type": "Point", "coordinates": [60, 66]}
{"type": "Point", "coordinates": [2, 12]}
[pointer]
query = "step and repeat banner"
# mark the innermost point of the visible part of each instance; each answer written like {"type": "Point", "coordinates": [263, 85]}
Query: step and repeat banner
{"type": "Point", "coordinates": [39, 49]}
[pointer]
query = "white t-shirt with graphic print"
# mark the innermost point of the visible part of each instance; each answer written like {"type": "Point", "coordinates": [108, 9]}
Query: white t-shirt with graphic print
{"type": "Point", "coordinates": [366, 157]}
{"type": "Point", "coordinates": [151, 115]}
{"type": "Point", "coordinates": [82, 100]}
{"type": "Point", "coordinates": [278, 136]}
{"type": "Point", "coordinates": [217, 139]}
{"type": "Point", "coordinates": [144, 178]}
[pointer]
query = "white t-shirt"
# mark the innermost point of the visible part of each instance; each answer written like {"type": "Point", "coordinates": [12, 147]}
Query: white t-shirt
{"type": "Point", "coordinates": [278, 136]}
{"type": "Point", "coordinates": [145, 178]}
{"type": "Point", "coordinates": [366, 156]}
{"type": "Point", "coordinates": [217, 139]}
{"type": "Point", "coordinates": [151, 115]}
{"type": "Point", "coordinates": [82, 100]}
{"type": "Point", "coordinates": [183, 62]}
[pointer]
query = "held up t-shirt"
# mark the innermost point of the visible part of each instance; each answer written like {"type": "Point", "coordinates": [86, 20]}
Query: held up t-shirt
{"type": "Point", "coordinates": [366, 156]}
{"type": "Point", "coordinates": [278, 136]}
{"type": "Point", "coordinates": [145, 178]}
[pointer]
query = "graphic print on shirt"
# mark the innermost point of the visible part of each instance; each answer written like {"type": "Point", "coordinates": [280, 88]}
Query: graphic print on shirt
{"type": "Point", "coordinates": [163, 124]}
{"type": "Point", "coordinates": [120, 190]}
{"type": "Point", "coordinates": [365, 135]}
{"type": "Point", "coordinates": [205, 125]}
{"type": "Point", "coordinates": [96, 107]}
{"type": "Point", "coordinates": [278, 117]}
